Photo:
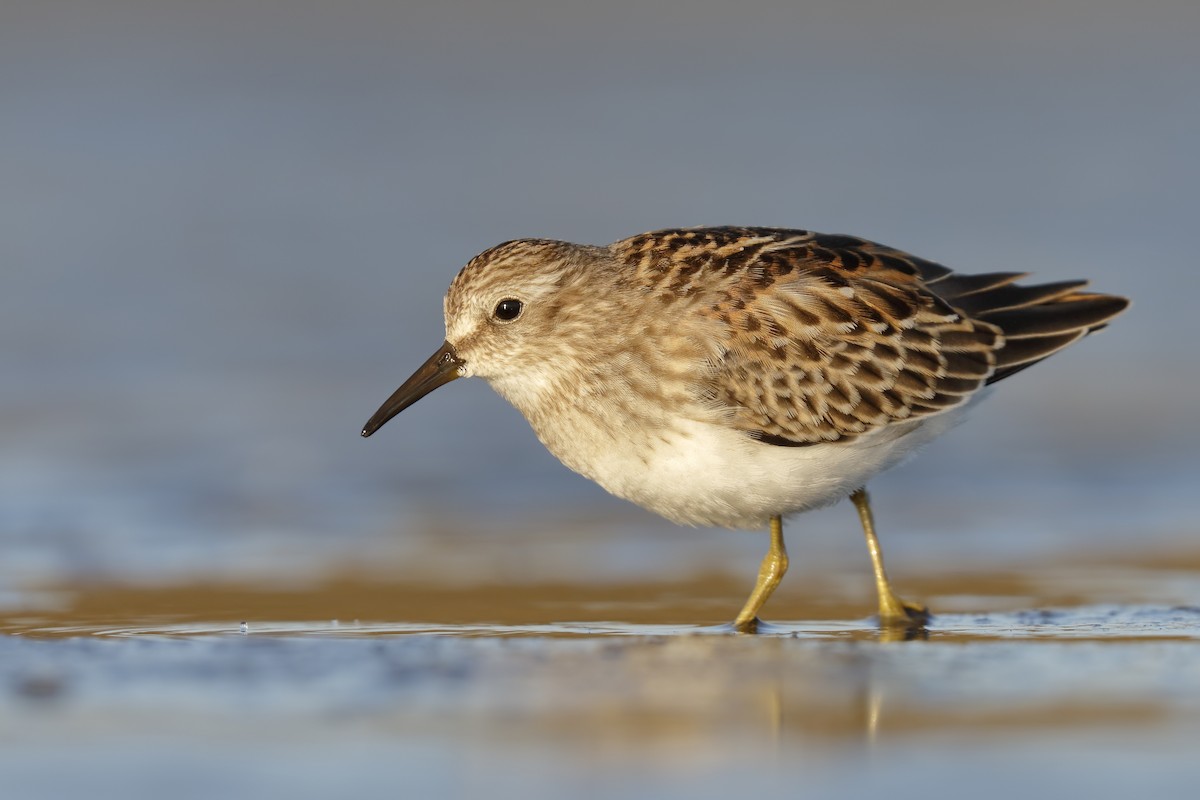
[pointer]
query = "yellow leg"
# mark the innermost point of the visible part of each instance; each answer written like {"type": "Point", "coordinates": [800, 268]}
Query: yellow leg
{"type": "Point", "coordinates": [892, 610]}
{"type": "Point", "coordinates": [774, 565]}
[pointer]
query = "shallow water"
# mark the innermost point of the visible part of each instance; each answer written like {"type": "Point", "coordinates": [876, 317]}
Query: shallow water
{"type": "Point", "coordinates": [225, 229]}
{"type": "Point", "coordinates": [608, 689]}
{"type": "Point", "coordinates": [1095, 699]}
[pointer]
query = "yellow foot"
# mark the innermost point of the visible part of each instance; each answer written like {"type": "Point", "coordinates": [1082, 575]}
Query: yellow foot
{"type": "Point", "coordinates": [894, 610]}
{"type": "Point", "coordinates": [902, 622]}
{"type": "Point", "coordinates": [746, 626]}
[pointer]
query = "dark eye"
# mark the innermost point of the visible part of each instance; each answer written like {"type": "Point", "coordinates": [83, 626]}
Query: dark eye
{"type": "Point", "coordinates": [508, 310]}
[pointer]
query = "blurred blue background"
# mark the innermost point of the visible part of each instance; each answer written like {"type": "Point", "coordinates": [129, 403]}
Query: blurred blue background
{"type": "Point", "coordinates": [225, 230]}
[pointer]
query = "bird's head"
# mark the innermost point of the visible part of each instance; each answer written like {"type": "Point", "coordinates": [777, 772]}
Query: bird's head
{"type": "Point", "coordinates": [514, 314]}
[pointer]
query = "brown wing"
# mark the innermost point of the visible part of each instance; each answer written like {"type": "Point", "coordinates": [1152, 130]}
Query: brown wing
{"type": "Point", "coordinates": [828, 337]}
{"type": "Point", "coordinates": [845, 342]}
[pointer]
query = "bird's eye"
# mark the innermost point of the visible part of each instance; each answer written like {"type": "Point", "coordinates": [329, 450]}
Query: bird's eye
{"type": "Point", "coordinates": [508, 310]}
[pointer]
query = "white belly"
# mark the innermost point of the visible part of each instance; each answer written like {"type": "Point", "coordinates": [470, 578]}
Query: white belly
{"type": "Point", "coordinates": [705, 474]}
{"type": "Point", "coordinates": [698, 472]}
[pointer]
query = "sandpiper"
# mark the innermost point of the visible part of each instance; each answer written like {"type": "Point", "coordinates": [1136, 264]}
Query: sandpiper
{"type": "Point", "coordinates": [733, 376]}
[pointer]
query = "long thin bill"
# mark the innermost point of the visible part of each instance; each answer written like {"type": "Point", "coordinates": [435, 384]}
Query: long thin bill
{"type": "Point", "coordinates": [439, 369]}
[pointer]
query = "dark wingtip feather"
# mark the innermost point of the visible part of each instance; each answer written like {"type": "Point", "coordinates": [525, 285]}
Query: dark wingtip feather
{"type": "Point", "coordinates": [1069, 313]}
{"type": "Point", "coordinates": [1017, 354]}
{"type": "Point", "coordinates": [955, 286]}
{"type": "Point", "coordinates": [1034, 332]}
{"type": "Point", "coordinates": [1011, 295]}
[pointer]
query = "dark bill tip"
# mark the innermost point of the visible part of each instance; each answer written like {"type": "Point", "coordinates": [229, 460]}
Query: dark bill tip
{"type": "Point", "coordinates": [439, 369]}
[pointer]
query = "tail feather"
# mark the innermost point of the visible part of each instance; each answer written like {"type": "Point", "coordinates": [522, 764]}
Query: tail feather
{"type": "Point", "coordinates": [1037, 320]}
